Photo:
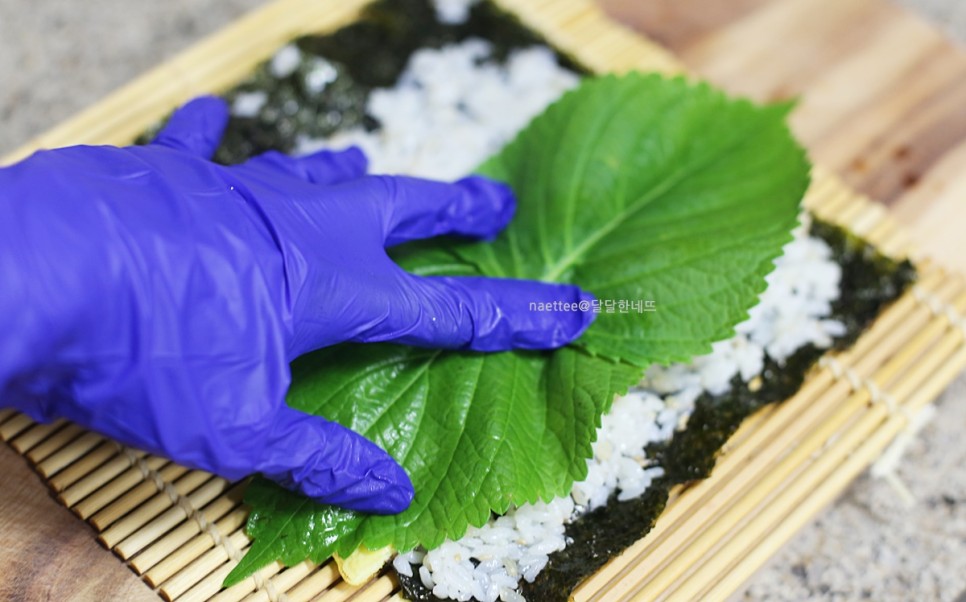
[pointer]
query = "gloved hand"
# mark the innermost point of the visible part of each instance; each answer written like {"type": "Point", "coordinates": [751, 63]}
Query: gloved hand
{"type": "Point", "coordinates": [156, 297]}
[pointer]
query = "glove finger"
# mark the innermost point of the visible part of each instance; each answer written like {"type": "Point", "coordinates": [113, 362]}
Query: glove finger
{"type": "Point", "coordinates": [414, 208]}
{"type": "Point", "coordinates": [196, 127]}
{"type": "Point", "coordinates": [324, 167]}
{"type": "Point", "coordinates": [334, 465]}
{"type": "Point", "coordinates": [484, 314]}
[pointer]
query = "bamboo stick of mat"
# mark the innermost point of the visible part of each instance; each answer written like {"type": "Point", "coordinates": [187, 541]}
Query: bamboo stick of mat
{"type": "Point", "coordinates": [210, 587]}
{"type": "Point", "coordinates": [169, 544]}
{"type": "Point", "coordinates": [98, 478]}
{"type": "Point", "coordinates": [339, 592]}
{"type": "Point", "coordinates": [164, 499]}
{"type": "Point", "coordinates": [317, 582]}
{"type": "Point", "coordinates": [202, 566]}
{"type": "Point", "coordinates": [178, 560]}
{"type": "Point", "coordinates": [282, 582]}
{"type": "Point", "coordinates": [182, 508]}
{"type": "Point", "coordinates": [116, 490]}
{"type": "Point", "coordinates": [554, 14]}
{"type": "Point", "coordinates": [133, 498]}
{"type": "Point", "coordinates": [120, 488]}
{"type": "Point", "coordinates": [63, 457]}
{"type": "Point", "coordinates": [34, 435]}
{"type": "Point", "coordinates": [14, 426]}
{"type": "Point", "coordinates": [84, 465]}
{"type": "Point", "coordinates": [54, 443]}
{"type": "Point", "coordinates": [378, 589]}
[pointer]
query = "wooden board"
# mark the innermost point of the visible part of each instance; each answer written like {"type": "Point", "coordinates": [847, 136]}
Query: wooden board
{"type": "Point", "coordinates": [883, 94]}
{"type": "Point", "coordinates": [733, 53]}
{"type": "Point", "coordinates": [46, 553]}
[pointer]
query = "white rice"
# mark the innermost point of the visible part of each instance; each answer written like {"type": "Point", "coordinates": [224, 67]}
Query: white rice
{"type": "Point", "coordinates": [248, 104]}
{"type": "Point", "coordinates": [320, 74]}
{"type": "Point", "coordinates": [285, 61]}
{"type": "Point", "coordinates": [448, 113]}
{"type": "Point", "coordinates": [453, 12]}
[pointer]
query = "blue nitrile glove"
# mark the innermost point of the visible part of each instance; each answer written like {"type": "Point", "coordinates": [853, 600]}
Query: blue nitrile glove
{"type": "Point", "coordinates": [156, 297]}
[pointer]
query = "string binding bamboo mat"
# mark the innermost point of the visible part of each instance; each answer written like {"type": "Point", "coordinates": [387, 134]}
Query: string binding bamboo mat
{"type": "Point", "coordinates": [183, 530]}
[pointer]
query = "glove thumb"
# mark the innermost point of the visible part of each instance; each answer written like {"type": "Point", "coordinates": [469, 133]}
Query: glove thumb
{"type": "Point", "coordinates": [334, 465]}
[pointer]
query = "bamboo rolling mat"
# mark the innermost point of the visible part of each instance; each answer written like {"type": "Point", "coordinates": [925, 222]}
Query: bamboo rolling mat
{"type": "Point", "coordinates": [182, 530]}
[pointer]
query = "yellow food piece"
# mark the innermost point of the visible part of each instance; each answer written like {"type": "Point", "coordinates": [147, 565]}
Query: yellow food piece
{"type": "Point", "coordinates": [363, 564]}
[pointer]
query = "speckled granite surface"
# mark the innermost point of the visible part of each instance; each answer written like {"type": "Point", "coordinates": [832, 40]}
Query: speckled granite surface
{"type": "Point", "coordinates": [56, 59]}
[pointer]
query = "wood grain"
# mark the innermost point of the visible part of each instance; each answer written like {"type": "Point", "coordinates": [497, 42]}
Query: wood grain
{"type": "Point", "coordinates": [882, 94]}
{"type": "Point", "coordinates": [47, 553]}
